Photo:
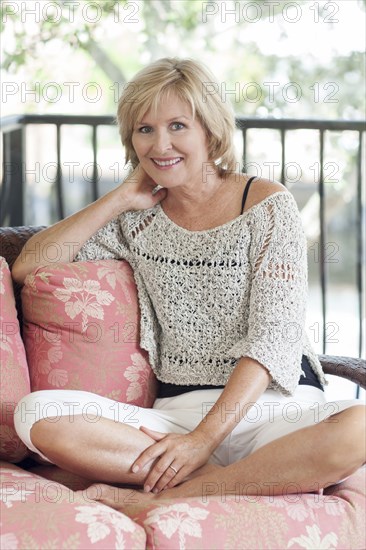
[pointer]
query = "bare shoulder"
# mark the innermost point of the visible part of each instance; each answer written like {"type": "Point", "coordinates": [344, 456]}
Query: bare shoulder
{"type": "Point", "coordinates": [260, 189]}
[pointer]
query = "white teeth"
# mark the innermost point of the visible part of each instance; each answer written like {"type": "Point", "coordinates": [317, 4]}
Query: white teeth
{"type": "Point", "coordinates": [166, 162]}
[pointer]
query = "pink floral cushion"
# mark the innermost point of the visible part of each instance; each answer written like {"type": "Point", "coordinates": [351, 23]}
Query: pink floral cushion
{"type": "Point", "coordinates": [37, 513]}
{"type": "Point", "coordinates": [14, 370]}
{"type": "Point", "coordinates": [81, 331]}
{"type": "Point", "coordinates": [334, 520]}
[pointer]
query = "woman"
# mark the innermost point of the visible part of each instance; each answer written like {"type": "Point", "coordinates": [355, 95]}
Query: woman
{"type": "Point", "coordinates": [220, 263]}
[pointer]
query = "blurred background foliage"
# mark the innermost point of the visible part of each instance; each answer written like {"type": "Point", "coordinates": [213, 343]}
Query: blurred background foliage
{"type": "Point", "coordinates": [242, 42]}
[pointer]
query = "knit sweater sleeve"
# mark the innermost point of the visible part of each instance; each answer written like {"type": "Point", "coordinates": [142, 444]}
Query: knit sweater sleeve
{"type": "Point", "coordinates": [109, 243]}
{"type": "Point", "coordinates": [278, 291]}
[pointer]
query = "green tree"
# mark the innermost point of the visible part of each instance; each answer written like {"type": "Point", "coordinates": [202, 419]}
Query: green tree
{"type": "Point", "coordinates": [71, 28]}
{"type": "Point", "coordinates": [179, 27]}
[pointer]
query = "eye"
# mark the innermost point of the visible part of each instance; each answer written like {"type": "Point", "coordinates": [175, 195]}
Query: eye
{"type": "Point", "coordinates": [177, 125]}
{"type": "Point", "coordinates": [144, 129]}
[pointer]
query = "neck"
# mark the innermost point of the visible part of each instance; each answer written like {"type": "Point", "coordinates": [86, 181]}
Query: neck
{"type": "Point", "coordinates": [191, 201]}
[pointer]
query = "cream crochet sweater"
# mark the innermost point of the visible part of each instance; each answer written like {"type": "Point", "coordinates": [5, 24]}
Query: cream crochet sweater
{"type": "Point", "coordinates": [208, 298]}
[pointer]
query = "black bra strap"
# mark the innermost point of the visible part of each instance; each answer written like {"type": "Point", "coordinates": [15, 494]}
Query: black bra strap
{"type": "Point", "coordinates": [245, 194]}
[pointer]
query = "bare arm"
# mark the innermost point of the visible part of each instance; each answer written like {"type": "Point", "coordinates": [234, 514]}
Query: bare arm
{"type": "Point", "coordinates": [246, 384]}
{"type": "Point", "coordinates": [189, 452]}
{"type": "Point", "coordinates": [69, 235]}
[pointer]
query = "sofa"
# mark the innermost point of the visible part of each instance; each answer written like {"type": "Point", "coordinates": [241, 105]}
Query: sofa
{"type": "Point", "coordinates": [56, 332]}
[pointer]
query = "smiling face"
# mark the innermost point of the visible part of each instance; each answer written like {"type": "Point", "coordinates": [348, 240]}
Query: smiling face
{"type": "Point", "coordinates": [171, 145]}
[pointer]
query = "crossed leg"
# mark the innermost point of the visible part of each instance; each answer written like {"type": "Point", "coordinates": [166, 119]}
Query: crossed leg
{"type": "Point", "coordinates": [101, 451]}
{"type": "Point", "coordinates": [303, 461]}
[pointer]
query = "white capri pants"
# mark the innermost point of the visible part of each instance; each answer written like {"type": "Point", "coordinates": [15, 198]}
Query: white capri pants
{"type": "Point", "coordinates": [271, 417]}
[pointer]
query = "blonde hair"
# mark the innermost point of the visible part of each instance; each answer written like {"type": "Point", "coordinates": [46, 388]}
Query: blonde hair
{"type": "Point", "coordinates": [191, 82]}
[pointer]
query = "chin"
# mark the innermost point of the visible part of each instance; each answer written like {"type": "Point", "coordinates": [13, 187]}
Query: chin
{"type": "Point", "coordinates": [168, 181]}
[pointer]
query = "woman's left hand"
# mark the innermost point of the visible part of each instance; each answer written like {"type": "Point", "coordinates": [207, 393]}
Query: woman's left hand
{"type": "Point", "coordinates": [180, 455]}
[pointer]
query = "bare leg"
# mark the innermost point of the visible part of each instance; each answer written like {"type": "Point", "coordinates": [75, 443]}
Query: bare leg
{"type": "Point", "coordinates": [101, 451]}
{"type": "Point", "coordinates": [303, 461]}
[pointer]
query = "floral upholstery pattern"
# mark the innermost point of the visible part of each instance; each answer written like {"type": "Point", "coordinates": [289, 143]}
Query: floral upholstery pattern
{"type": "Point", "coordinates": [60, 519]}
{"type": "Point", "coordinates": [80, 317]}
{"type": "Point", "coordinates": [12, 240]}
{"type": "Point", "coordinates": [331, 520]}
{"type": "Point", "coordinates": [14, 370]}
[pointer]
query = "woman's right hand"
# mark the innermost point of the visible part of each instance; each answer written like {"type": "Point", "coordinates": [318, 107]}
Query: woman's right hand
{"type": "Point", "coordinates": [137, 190]}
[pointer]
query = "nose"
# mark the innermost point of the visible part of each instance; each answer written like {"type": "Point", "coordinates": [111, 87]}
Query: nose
{"type": "Point", "coordinates": [161, 142]}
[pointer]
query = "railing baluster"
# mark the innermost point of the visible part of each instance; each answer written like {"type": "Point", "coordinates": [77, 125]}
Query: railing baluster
{"type": "Point", "coordinates": [283, 156]}
{"type": "Point", "coordinates": [95, 167]}
{"type": "Point", "coordinates": [5, 184]}
{"type": "Point", "coordinates": [59, 190]}
{"type": "Point", "coordinates": [360, 244]}
{"type": "Point", "coordinates": [322, 235]}
{"type": "Point", "coordinates": [12, 207]}
{"type": "Point", "coordinates": [244, 159]}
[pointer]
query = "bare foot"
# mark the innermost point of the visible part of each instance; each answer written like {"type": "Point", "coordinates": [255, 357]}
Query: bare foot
{"type": "Point", "coordinates": [131, 500]}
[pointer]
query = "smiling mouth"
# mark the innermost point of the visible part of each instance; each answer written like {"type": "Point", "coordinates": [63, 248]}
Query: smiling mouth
{"type": "Point", "coordinates": [170, 162]}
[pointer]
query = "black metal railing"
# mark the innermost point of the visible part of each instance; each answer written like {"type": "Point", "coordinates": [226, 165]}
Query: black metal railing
{"type": "Point", "coordinates": [12, 210]}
